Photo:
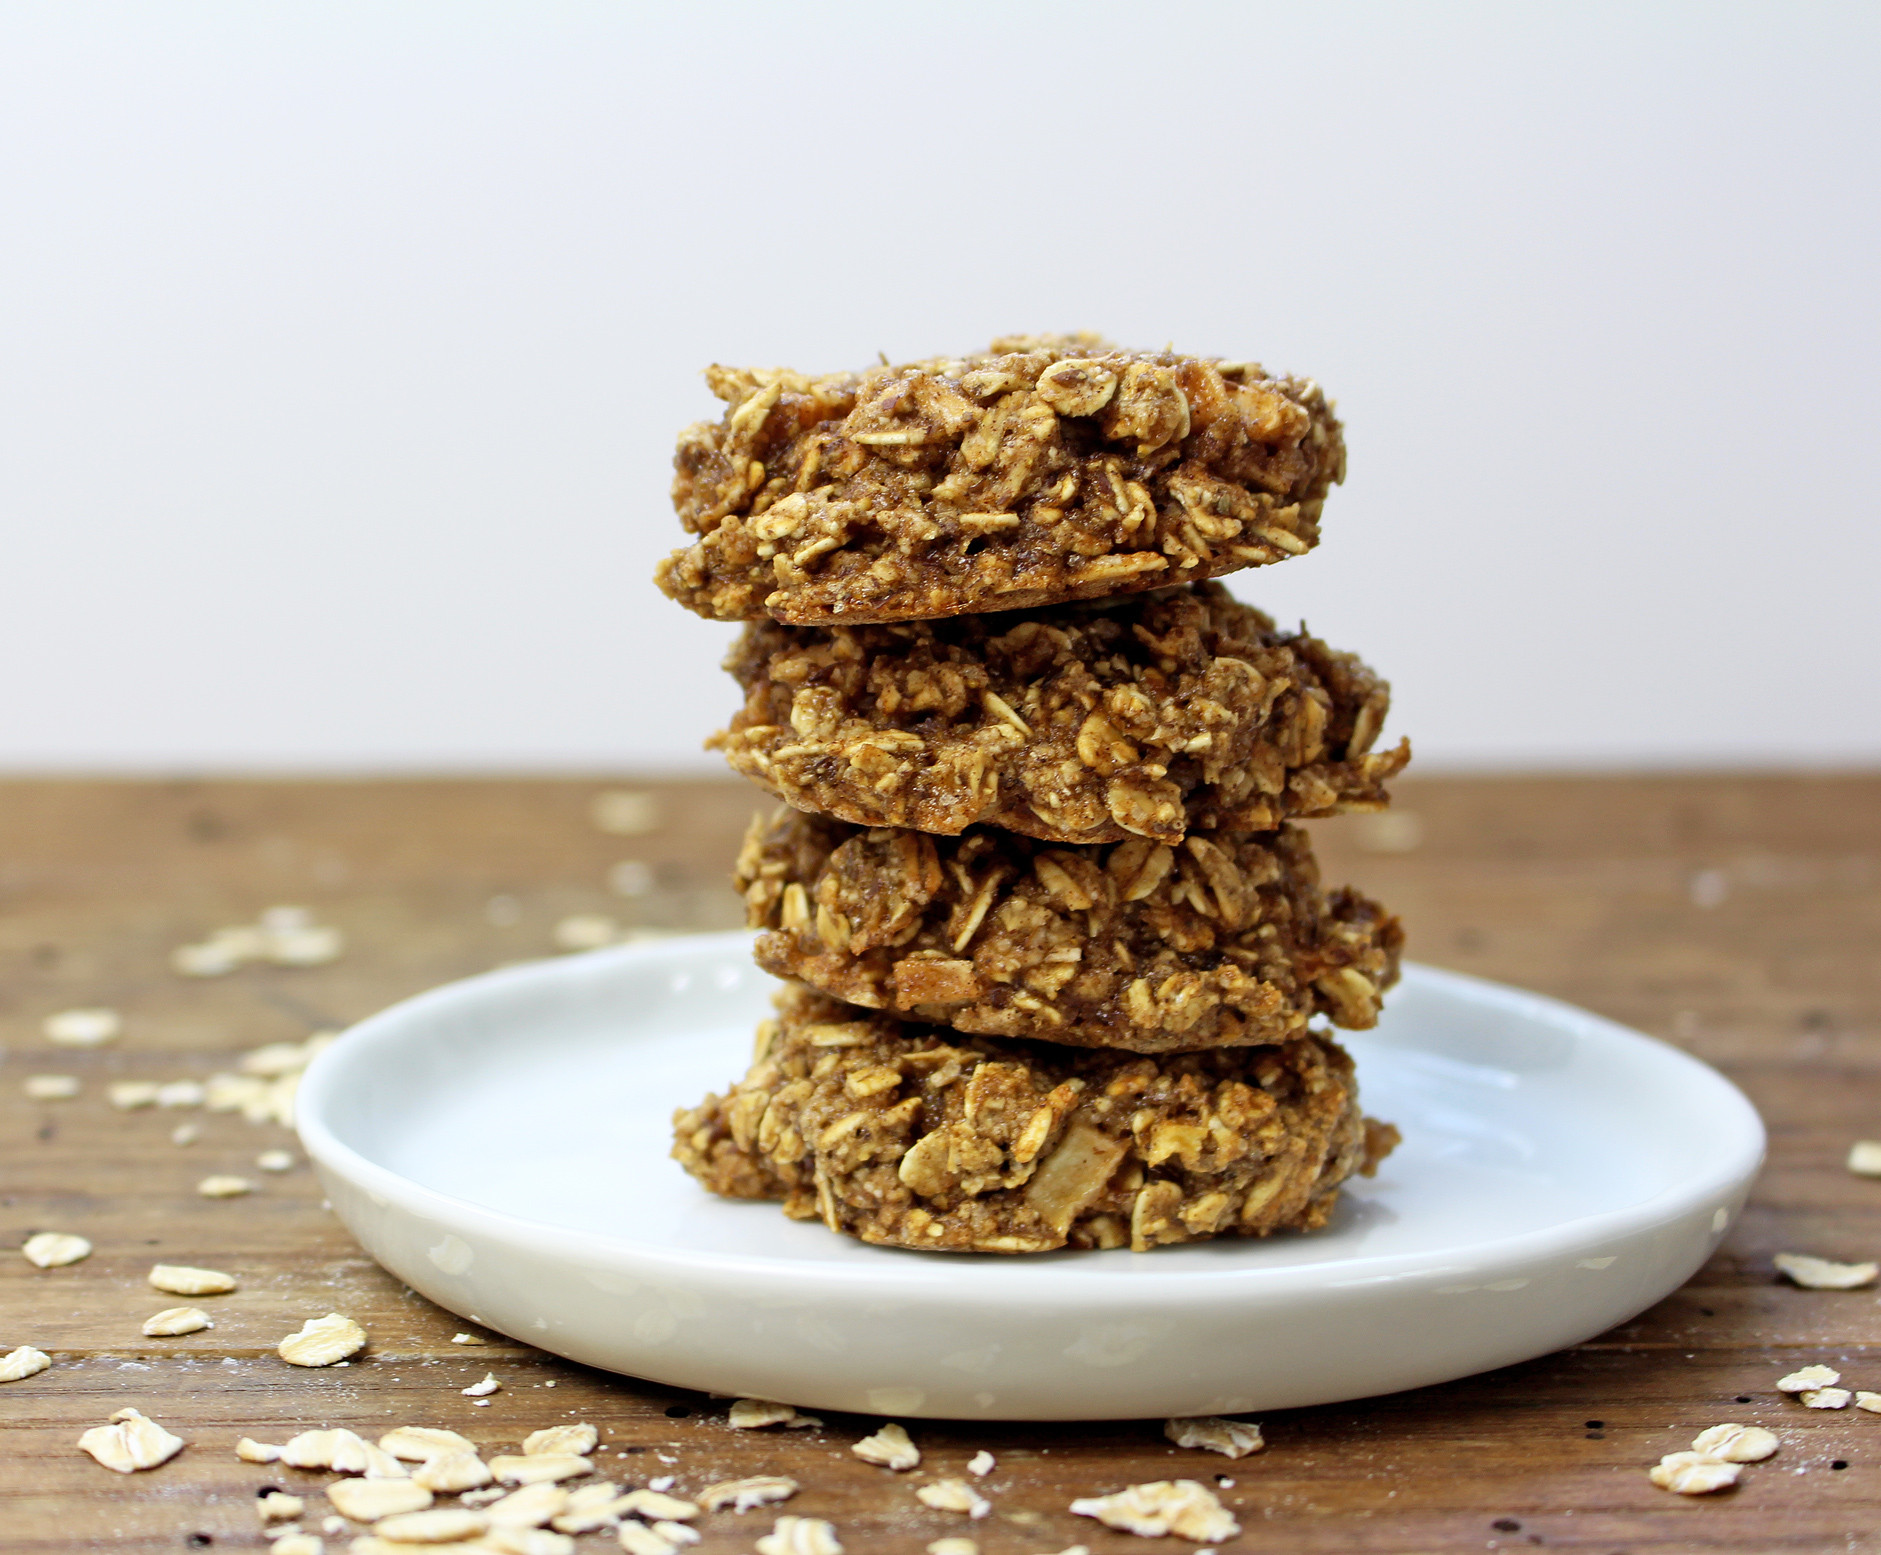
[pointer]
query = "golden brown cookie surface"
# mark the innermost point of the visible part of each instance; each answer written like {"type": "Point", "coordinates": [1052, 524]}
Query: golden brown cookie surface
{"type": "Point", "coordinates": [1091, 722]}
{"type": "Point", "coordinates": [914, 1136]}
{"type": "Point", "coordinates": [1225, 939]}
{"type": "Point", "coordinates": [1048, 469]}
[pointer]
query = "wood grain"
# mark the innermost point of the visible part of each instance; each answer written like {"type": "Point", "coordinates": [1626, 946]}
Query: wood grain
{"type": "Point", "coordinates": [1738, 917]}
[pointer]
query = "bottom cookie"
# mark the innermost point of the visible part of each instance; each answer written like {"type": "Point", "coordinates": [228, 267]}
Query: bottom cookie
{"type": "Point", "coordinates": [917, 1136]}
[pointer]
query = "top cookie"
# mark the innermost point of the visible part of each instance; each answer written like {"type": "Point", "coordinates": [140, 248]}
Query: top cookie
{"type": "Point", "coordinates": [1051, 468]}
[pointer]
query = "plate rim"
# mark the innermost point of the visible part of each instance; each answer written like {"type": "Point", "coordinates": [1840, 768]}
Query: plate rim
{"type": "Point", "coordinates": [1011, 1281]}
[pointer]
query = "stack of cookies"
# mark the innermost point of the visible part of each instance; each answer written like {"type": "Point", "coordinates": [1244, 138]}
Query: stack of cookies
{"type": "Point", "coordinates": [1054, 948]}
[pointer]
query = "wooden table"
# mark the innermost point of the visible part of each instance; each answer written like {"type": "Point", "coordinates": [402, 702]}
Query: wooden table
{"type": "Point", "coordinates": [1737, 917]}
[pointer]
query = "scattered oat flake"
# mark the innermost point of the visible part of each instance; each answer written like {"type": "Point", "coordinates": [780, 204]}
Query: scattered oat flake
{"type": "Point", "coordinates": [1864, 1158]}
{"type": "Point", "coordinates": [275, 1160]}
{"type": "Point", "coordinates": [1809, 1378]}
{"type": "Point", "coordinates": [1212, 1433]}
{"type": "Point", "coordinates": [890, 1448]}
{"type": "Point", "coordinates": [656, 1506]}
{"type": "Point", "coordinates": [176, 1094]}
{"type": "Point", "coordinates": [468, 1339]}
{"type": "Point", "coordinates": [1183, 1507]}
{"type": "Point", "coordinates": [1735, 1443]}
{"type": "Point", "coordinates": [521, 1541]}
{"type": "Point", "coordinates": [981, 1463]}
{"type": "Point", "coordinates": [447, 1525]}
{"type": "Point", "coordinates": [174, 1321]}
{"type": "Point", "coordinates": [131, 1442]}
{"type": "Point", "coordinates": [314, 944]}
{"type": "Point", "coordinates": [484, 1388]}
{"type": "Point", "coordinates": [278, 1104]}
{"type": "Point", "coordinates": [19, 1364]}
{"type": "Point", "coordinates": [251, 1451]}
{"type": "Point", "coordinates": [52, 1087]}
{"type": "Point", "coordinates": [741, 1495]}
{"type": "Point", "coordinates": [1693, 1473]}
{"type": "Point", "coordinates": [233, 1092]}
{"type": "Point", "coordinates": [664, 1482]}
{"type": "Point", "coordinates": [420, 1443]}
{"type": "Point", "coordinates": [243, 1093]}
{"type": "Point", "coordinates": [518, 1469]}
{"type": "Point", "coordinates": [451, 1472]}
{"type": "Point", "coordinates": [180, 1279]}
{"type": "Point", "coordinates": [245, 941]}
{"type": "Point", "coordinates": [585, 931]}
{"type": "Point", "coordinates": [753, 1414]}
{"type": "Point", "coordinates": [1826, 1398]}
{"type": "Point", "coordinates": [129, 1095]}
{"type": "Point", "coordinates": [297, 1544]}
{"type": "Point", "coordinates": [368, 1500]}
{"type": "Point", "coordinates": [530, 1507]}
{"type": "Point", "coordinates": [954, 1495]}
{"type": "Point", "coordinates": [54, 1249]}
{"type": "Point", "coordinates": [278, 1507]}
{"type": "Point", "coordinates": [577, 1440]}
{"type": "Point", "coordinates": [380, 1464]}
{"type": "Point", "coordinates": [1825, 1273]}
{"type": "Point", "coordinates": [586, 1509]}
{"type": "Point", "coordinates": [83, 1028]}
{"type": "Point", "coordinates": [205, 958]}
{"type": "Point", "coordinates": [1390, 831]}
{"type": "Point", "coordinates": [631, 877]}
{"type": "Point", "coordinates": [242, 941]}
{"type": "Point", "coordinates": [800, 1536]}
{"type": "Point", "coordinates": [589, 1518]}
{"type": "Point", "coordinates": [341, 1450]}
{"type": "Point", "coordinates": [640, 1539]}
{"type": "Point", "coordinates": [273, 1059]}
{"type": "Point", "coordinates": [185, 1134]}
{"type": "Point", "coordinates": [625, 812]}
{"type": "Point", "coordinates": [953, 1547]}
{"type": "Point", "coordinates": [224, 1187]}
{"type": "Point", "coordinates": [322, 1341]}
{"type": "Point", "coordinates": [286, 936]}
{"type": "Point", "coordinates": [318, 1449]}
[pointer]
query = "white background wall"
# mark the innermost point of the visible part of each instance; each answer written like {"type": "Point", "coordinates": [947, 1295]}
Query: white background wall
{"type": "Point", "coordinates": [342, 345]}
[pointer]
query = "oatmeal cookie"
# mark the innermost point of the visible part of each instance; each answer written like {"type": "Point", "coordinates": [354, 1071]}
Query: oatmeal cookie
{"type": "Point", "coordinates": [1083, 722]}
{"type": "Point", "coordinates": [1224, 940]}
{"type": "Point", "coordinates": [1050, 468]}
{"type": "Point", "coordinates": [915, 1136]}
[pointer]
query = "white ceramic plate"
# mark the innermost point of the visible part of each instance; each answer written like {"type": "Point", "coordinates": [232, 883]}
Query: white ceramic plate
{"type": "Point", "coordinates": [500, 1145]}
